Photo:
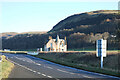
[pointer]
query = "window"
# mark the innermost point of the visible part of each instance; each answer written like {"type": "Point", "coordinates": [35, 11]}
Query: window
{"type": "Point", "coordinates": [51, 44]}
{"type": "Point", "coordinates": [62, 44]}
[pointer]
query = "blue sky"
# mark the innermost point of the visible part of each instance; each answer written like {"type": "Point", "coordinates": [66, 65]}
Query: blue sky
{"type": "Point", "coordinates": [42, 16]}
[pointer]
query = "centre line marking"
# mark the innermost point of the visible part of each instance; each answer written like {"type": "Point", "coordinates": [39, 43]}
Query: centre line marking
{"type": "Point", "coordinates": [38, 72]}
{"type": "Point", "coordinates": [34, 71]}
{"type": "Point", "coordinates": [62, 71]}
{"type": "Point", "coordinates": [65, 71]}
{"type": "Point", "coordinates": [29, 69]}
{"type": "Point", "coordinates": [87, 76]}
{"type": "Point", "coordinates": [49, 67]}
{"type": "Point", "coordinates": [28, 61]}
{"type": "Point", "coordinates": [38, 64]}
{"type": "Point", "coordinates": [43, 74]}
{"type": "Point", "coordinates": [49, 76]}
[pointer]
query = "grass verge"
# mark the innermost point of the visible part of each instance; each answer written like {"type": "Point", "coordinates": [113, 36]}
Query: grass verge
{"type": "Point", "coordinates": [6, 67]}
{"type": "Point", "coordinates": [86, 61]}
{"type": "Point", "coordinates": [15, 52]}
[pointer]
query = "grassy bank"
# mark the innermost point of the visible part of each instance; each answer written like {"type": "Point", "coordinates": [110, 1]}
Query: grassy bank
{"type": "Point", "coordinates": [25, 49]}
{"type": "Point", "coordinates": [86, 61]}
{"type": "Point", "coordinates": [15, 52]}
{"type": "Point", "coordinates": [6, 67]}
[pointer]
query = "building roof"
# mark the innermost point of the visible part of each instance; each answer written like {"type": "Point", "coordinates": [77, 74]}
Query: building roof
{"type": "Point", "coordinates": [58, 39]}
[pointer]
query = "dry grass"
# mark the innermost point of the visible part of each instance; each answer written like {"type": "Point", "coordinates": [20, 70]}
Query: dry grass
{"type": "Point", "coordinates": [85, 60]}
{"type": "Point", "coordinates": [16, 52]}
{"type": "Point", "coordinates": [6, 67]}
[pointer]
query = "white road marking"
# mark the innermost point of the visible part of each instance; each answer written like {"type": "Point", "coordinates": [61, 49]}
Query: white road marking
{"type": "Point", "coordinates": [23, 59]}
{"type": "Point", "coordinates": [38, 72]}
{"type": "Point", "coordinates": [38, 64]}
{"type": "Point", "coordinates": [86, 76]}
{"type": "Point", "coordinates": [98, 74]}
{"type": "Point", "coordinates": [30, 69]}
{"type": "Point", "coordinates": [49, 76]}
{"type": "Point", "coordinates": [43, 74]}
{"type": "Point", "coordinates": [49, 67]}
{"type": "Point", "coordinates": [34, 71]}
{"type": "Point", "coordinates": [82, 71]}
{"type": "Point", "coordinates": [62, 70]}
{"type": "Point", "coordinates": [65, 71]}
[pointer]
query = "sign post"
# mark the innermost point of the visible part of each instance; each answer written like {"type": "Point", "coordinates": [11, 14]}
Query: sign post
{"type": "Point", "coordinates": [101, 49]}
{"type": "Point", "coordinates": [101, 61]}
{"type": "Point", "coordinates": [40, 49]}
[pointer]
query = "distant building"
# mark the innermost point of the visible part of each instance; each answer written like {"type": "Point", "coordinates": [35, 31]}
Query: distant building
{"type": "Point", "coordinates": [6, 49]}
{"type": "Point", "coordinates": [56, 45]}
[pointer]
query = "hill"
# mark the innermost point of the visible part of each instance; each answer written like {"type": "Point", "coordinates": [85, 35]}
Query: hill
{"type": "Point", "coordinates": [82, 31]}
{"type": "Point", "coordinates": [95, 22]}
{"type": "Point", "coordinates": [7, 35]}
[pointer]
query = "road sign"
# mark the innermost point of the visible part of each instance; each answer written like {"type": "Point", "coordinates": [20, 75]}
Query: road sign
{"type": "Point", "coordinates": [101, 49]}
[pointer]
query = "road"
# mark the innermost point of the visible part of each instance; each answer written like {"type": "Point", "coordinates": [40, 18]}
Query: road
{"type": "Point", "coordinates": [27, 66]}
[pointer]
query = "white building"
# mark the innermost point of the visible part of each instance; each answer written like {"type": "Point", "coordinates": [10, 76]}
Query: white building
{"type": "Point", "coordinates": [56, 44]}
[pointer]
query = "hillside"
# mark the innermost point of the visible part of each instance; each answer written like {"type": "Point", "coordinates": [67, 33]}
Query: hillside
{"type": "Point", "coordinates": [7, 35]}
{"type": "Point", "coordinates": [82, 31]}
{"type": "Point", "coordinates": [89, 22]}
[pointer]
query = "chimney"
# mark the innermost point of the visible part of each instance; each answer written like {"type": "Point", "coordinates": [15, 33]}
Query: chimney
{"type": "Point", "coordinates": [65, 38]}
{"type": "Point", "coordinates": [57, 39]}
{"type": "Point", "coordinates": [50, 37]}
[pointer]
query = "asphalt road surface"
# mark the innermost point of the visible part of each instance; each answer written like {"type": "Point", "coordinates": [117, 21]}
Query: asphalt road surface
{"type": "Point", "coordinates": [27, 66]}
